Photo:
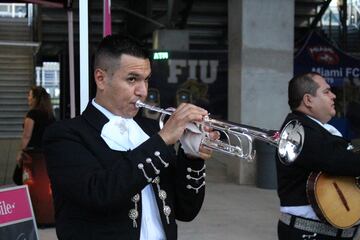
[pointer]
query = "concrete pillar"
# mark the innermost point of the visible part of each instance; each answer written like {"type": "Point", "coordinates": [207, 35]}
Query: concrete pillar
{"type": "Point", "coordinates": [261, 36]}
{"type": "Point", "coordinates": [177, 40]}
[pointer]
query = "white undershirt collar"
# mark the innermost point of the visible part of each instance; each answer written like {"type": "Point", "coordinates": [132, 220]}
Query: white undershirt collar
{"type": "Point", "coordinates": [103, 110]}
{"type": "Point", "coordinates": [331, 129]}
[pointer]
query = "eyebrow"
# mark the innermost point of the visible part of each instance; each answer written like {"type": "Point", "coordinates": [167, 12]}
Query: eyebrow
{"type": "Point", "coordinates": [133, 74]}
{"type": "Point", "coordinates": [327, 89]}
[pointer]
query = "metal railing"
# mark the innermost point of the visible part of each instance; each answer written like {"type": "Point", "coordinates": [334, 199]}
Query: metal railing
{"type": "Point", "coordinates": [337, 27]}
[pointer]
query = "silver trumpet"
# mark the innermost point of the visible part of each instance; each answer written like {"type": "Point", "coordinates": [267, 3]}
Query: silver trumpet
{"type": "Point", "coordinates": [288, 142]}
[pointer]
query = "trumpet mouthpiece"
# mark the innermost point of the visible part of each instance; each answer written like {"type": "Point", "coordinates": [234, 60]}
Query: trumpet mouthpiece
{"type": "Point", "coordinates": [139, 104]}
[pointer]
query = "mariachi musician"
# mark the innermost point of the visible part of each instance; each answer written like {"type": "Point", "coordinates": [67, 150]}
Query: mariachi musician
{"type": "Point", "coordinates": [324, 151]}
{"type": "Point", "coordinates": [115, 175]}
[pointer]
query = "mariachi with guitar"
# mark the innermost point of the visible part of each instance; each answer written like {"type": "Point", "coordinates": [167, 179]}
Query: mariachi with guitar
{"type": "Point", "coordinates": [333, 198]}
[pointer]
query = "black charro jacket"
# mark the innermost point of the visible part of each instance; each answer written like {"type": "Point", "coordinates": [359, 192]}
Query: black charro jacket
{"type": "Point", "coordinates": [321, 151]}
{"type": "Point", "coordinates": [93, 185]}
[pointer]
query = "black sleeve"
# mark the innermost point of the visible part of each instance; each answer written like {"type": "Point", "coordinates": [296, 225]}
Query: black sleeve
{"type": "Point", "coordinates": [32, 114]}
{"type": "Point", "coordinates": [190, 186]}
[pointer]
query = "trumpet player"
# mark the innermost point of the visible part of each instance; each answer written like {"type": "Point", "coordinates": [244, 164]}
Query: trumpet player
{"type": "Point", "coordinates": [115, 175]}
{"type": "Point", "coordinates": [324, 150]}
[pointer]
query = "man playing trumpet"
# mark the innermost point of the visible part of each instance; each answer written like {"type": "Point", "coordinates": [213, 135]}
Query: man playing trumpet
{"type": "Point", "coordinates": [115, 175]}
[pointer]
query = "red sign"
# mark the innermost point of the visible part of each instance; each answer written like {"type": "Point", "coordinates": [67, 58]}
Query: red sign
{"type": "Point", "coordinates": [16, 214]}
{"type": "Point", "coordinates": [324, 55]}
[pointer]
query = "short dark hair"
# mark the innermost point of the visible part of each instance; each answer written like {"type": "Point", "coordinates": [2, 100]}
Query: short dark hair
{"type": "Point", "coordinates": [113, 46]}
{"type": "Point", "coordinates": [299, 86]}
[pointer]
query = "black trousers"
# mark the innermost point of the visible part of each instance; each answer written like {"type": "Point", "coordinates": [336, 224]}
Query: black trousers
{"type": "Point", "coordinates": [286, 232]}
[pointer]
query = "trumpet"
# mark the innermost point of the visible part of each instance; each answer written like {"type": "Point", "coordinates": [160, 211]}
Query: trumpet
{"type": "Point", "coordinates": [288, 142]}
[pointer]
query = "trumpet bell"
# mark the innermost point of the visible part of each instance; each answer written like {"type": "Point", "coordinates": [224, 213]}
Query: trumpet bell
{"type": "Point", "coordinates": [291, 142]}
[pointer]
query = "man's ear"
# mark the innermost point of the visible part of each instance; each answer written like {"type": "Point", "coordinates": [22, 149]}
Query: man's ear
{"type": "Point", "coordinates": [307, 100]}
{"type": "Point", "coordinates": [100, 78]}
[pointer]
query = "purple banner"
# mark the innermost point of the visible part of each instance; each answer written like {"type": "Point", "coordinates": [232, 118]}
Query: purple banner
{"type": "Point", "coordinates": [319, 55]}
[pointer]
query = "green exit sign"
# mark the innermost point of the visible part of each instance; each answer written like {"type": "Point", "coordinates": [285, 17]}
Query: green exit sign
{"type": "Point", "coordinates": [160, 55]}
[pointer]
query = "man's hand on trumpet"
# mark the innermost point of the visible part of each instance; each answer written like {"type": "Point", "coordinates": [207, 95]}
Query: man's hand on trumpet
{"type": "Point", "coordinates": [176, 124]}
{"type": "Point", "coordinates": [180, 126]}
{"type": "Point", "coordinates": [205, 153]}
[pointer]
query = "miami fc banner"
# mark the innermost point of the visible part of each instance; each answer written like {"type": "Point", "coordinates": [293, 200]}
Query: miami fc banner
{"type": "Point", "coordinates": [319, 55]}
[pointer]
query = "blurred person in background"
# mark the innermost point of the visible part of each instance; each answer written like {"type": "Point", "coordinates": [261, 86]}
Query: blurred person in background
{"type": "Point", "coordinates": [36, 120]}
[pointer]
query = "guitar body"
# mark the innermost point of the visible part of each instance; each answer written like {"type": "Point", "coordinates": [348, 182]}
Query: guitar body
{"type": "Point", "coordinates": [335, 199]}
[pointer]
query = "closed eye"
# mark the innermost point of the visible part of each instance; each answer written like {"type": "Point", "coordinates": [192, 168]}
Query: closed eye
{"type": "Point", "coordinates": [327, 91]}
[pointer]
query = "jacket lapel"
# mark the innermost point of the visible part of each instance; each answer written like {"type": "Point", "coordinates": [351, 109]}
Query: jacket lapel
{"type": "Point", "coordinates": [94, 117]}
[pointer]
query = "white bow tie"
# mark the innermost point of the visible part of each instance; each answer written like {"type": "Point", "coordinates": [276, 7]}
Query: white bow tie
{"type": "Point", "coordinates": [123, 134]}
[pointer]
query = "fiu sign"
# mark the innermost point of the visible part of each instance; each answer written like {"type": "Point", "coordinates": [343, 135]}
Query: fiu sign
{"type": "Point", "coordinates": [207, 69]}
{"type": "Point", "coordinates": [199, 77]}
